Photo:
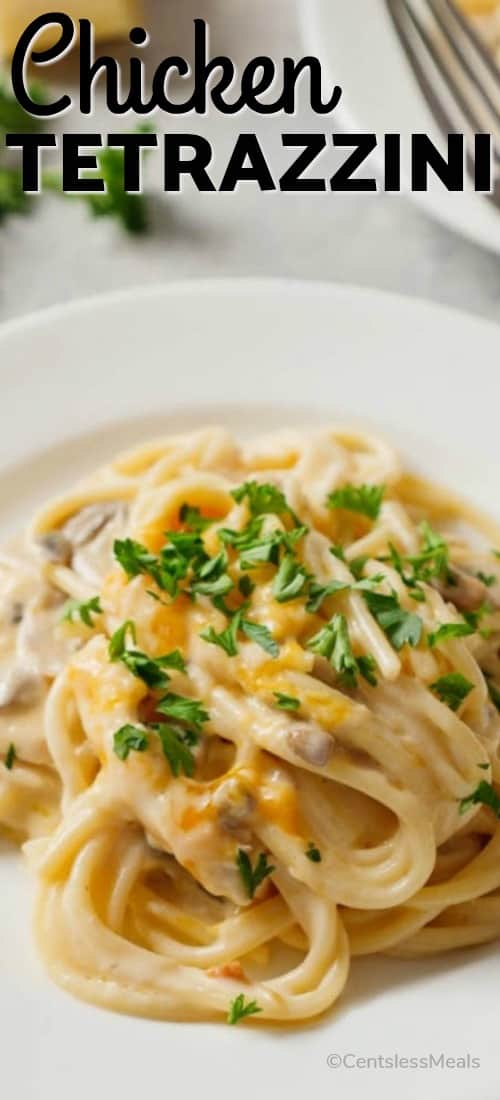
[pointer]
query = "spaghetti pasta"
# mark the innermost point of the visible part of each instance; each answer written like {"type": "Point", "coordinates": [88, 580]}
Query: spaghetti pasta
{"type": "Point", "coordinates": [249, 723]}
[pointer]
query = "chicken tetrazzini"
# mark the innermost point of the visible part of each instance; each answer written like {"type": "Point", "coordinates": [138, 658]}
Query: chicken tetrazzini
{"type": "Point", "coordinates": [249, 723]}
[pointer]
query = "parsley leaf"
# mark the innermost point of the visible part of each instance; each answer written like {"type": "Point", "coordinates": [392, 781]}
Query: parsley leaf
{"type": "Point", "coordinates": [488, 579]}
{"type": "Point", "coordinates": [133, 557]}
{"type": "Point", "coordinates": [333, 642]}
{"type": "Point", "coordinates": [264, 499]}
{"type": "Point", "coordinates": [177, 744]}
{"type": "Point", "coordinates": [241, 540]}
{"type": "Point", "coordinates": [83, 611]}
{"type": "Point", "coordinates": [363, 499]}
{"type": "Point", "coordinates": [227, 639]}
{"type": "Point", "coordinates": [286, 702]}
{"type": "Point", "coordinates": [118, 642]}
{"type": "Point", "coordinates": [290, 580]}
{"type": "Point", "coordinates": [10, 757]}
{"type": "Point", "coordinates": [172, 565]}
{"type": "Point", "coordinates": [484, 795]}
{"type": "Point", "coordinates": [450, 630]}
{"type": "Point", "coordinates": [367, 666]}
{"type": "Point", "coordinates": [253, 876]}
{"type": "Point", "coordinates": [452, 689]}
{"type": "Point", "coordinates": [193, 518]}
{"type": "Point", "coordinates": [183, 709]}
{"type": "Point", "coordinates": [260, 634]}
{"type": "Point", "coordinates": [246, 586]}
{"type": "Point", "coordinates": [212, 578]}
{"type": "Point", "coordinates": [433, 559]}
{"type": "Point", "coordinates": [318, 593]}
{"type": "Point", "coordinates": [401, 627]}
{"type": "Point", "coordinates": [313, 853]}
{"type": "Point", "coordinates": [238, 1009]}
{"type": "Point", "coordinates": [129, 739]}
{"type": "Point", "coordinates": [149, 669]}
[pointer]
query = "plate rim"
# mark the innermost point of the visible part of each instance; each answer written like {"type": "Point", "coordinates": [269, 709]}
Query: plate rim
{"type": "Point", "coordinates": [237, 287]}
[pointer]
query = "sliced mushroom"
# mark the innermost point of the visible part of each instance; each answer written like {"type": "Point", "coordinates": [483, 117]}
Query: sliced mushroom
{"type": "Point", "coordinates": [94, 557]}
{"type": "Point", "coordinates": [235, 805]}
{"type": "Point", "coordinates": [42, 645]}
{"type": "Point", "coordinates": [88, 522]}
{"type": "Point", "coordinates": [56, 547]}
{"type": "Point", "coordinates": [462, 589]}
{"type": "Point", "coordinates": [16, 613]}
{"type": "Point", "coordinates": [311, 743]}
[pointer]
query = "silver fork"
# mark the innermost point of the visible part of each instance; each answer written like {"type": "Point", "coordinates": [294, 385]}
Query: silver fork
{"type": "Point", "coordinates": [455, 70]}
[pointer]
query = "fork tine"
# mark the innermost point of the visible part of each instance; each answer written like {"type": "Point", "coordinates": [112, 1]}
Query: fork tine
{"type": "Point", "coordinates": [471, 104]}
{"type": "Point", "coordinates": [481, 51]}
{"type": "Point", "coordinates": [461, 37]}
{"type": "Point", "coordinates": [399, 17]}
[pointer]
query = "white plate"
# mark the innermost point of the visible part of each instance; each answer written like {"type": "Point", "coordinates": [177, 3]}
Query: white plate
{"type": "Point", "coordinates": [76, 384]}
{"type": "Point", "coordinates": [361, 51]}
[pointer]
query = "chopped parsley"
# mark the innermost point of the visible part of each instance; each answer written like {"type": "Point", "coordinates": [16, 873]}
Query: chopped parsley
{"type": "Point", "coordinates": [183, 709]}
{"type": "Point", "coordinates": [129, 739]}
{"type": "Point", "coordinates": [290, 580]}
{"type": "Point", "coordinates": [484, 795]}
{"type": "Point", "coordinates": [450, 630]}
{"type": "Point", "coordinates": [363, 499]}
{"type": "Point", "coordinates": [238, 1009]}
{"type": "Point", "coordinates": [433, 559]}
{"type": "Point", "coordinates": [241, 540]}
{"type": "Point", "coordinates": [133, 557]}
{"type": "Point", "coordinates": [264, 499]}
{"type": "Point", "coordinates": [260, 634]}
{"type": "Point", "coordinates": [183, 551]}
{"type": "Point", "coordinates": [177, 744]}
{"type": "Point", "coordinates": [265, 549]}
{"type": "Point", "coordinates": [83, 611]}
{"type": "Point", "coordinates": [253, 876]}
{"type": "Point", "coordinates": [430, 563]}
{"type": "Point", "coordinates": [452, 689]}
{"type": "Point", "coordinates": [151, 670]}
{"type": "Point", "coordinates": [10, 757]}
{"type": "Point", "coordinates": [118, 641]}
{"type": "Point", "coordinates": [212, 578]}
{"type": "Point", "coordinates": [488, 579]}
{"type": "Point", "coordinates": [193, 519]}
{"type": "Point", "coordinates": [286, 702]}
{"type": "Point", "coordinates": [318, 593]}
{"type": "Point", "coordinates": [313, 853]}
{"type": "Point", "coordinates": [401, 627]}
{"type": "Point", "coordinates": [367, 666]}
{"type": "Point", "coordinates": [333, 643]}
{"type": "Point", "coordinates": [246, 586]}
{"type": "Point", "coordinates": [228, 638]}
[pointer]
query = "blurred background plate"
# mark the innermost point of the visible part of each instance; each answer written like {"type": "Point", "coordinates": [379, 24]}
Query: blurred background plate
{"type": "Point", "coordinates": [359, 46]}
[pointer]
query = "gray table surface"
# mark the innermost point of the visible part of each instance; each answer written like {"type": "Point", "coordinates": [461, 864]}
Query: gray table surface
{"type": "Point", "coordinates": [58, 254]}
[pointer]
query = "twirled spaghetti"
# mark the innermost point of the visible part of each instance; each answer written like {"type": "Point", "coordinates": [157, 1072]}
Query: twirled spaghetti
{"type": "Point", "coordinates": [249, 724]}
